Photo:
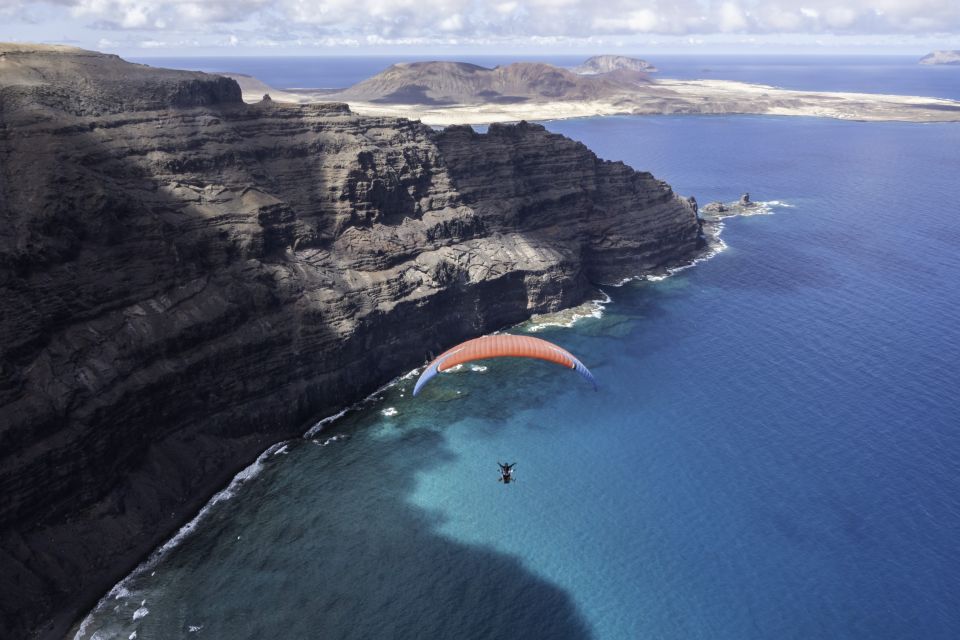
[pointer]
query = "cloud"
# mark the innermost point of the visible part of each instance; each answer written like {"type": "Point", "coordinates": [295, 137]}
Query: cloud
{"type": "Point", "coordinates": [173, 14]}
{"type": "Point", "coordinates": [731, 18]}
{"type": "Point", "coordinates": [487, 22]}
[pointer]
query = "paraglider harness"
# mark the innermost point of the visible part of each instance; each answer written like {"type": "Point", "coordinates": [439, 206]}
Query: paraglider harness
{"type": "Point", "coordinates": [506, 472]}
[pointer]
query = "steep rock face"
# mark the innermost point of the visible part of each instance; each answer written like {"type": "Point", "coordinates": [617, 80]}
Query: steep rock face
{"type": "Point", "coordinates": [187, 279]}
{"type": "Point", "coordinates": [561, 194]}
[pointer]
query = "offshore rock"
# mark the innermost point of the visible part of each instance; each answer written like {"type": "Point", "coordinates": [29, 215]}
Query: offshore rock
{"type": "Point", "coordinates": [715, 207]}
{"type": "Point", "coordinates": [714, 212]}
{"type": "Point", "coordinates": [186, 279]}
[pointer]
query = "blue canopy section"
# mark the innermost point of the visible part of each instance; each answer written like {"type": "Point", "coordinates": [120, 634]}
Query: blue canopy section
{"type": "Point", "coordinates": [583, 371]}
{"type": "Point", "coordinates": [429, 373]}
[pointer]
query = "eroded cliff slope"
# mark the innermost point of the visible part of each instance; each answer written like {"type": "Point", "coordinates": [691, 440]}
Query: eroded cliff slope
{"type": "Point", "coordinates": [185, 279]}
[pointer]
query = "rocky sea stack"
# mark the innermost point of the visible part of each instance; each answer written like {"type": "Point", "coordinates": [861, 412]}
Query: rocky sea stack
{"type": "Point", "coordinates": [187, 279]}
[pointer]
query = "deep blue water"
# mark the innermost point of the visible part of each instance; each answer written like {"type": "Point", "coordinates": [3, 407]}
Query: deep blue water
{"type": "Point", "coordinates": [774, 451]}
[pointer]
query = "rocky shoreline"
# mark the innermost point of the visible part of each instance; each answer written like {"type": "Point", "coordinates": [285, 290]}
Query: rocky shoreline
{"type": "Point", "coordinates": [711, 217]}
{"type": "Point", "coordinates": [187, 279]}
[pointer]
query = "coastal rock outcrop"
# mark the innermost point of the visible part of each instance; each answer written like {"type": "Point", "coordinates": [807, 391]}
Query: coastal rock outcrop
{"type": "Point", "coordinates": [715, 207]}
{"type": "Point", "coordinates": [717, 211]}
{"type": "Point", "coordinates": [186, 279]}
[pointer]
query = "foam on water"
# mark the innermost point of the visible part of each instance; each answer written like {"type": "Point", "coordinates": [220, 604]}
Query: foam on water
{"type": "Point", "coordinates": [373, 397]}
{"type": "Point", "coordinates": [331, 440]}
{"type": "Point", "coordinates": [567, 318]}
{"type": "Point", "coordinates": [121, 590]}
{"type": "Point", "coordinates": [321, 425]}
{"type": "Point", "coordinates": [238, 481]}
{"type": "Point", "coordinates": [714, 231]}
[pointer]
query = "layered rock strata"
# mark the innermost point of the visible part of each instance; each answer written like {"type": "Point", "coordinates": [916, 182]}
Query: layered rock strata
{"type": "Point", "coordinates": [185, 279]}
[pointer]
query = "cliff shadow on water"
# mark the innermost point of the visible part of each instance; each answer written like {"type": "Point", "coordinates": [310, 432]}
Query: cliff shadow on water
{"type": "Point", "coordinates": [326, 543]}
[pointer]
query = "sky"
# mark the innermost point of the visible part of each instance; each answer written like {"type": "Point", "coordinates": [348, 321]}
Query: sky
{"type": "Point", "coordinates": [139, 28]}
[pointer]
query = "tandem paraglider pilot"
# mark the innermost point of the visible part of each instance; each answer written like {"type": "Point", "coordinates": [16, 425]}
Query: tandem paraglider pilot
{"type": "Point", "coordinates": [501, 346]}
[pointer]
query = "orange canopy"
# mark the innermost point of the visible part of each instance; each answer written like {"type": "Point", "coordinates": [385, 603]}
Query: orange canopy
{"type": "Point", "coordinates": [500, 346]}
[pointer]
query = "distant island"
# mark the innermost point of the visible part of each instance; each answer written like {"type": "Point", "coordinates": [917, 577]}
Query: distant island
{"type": "Point", "coordinates": [609, 64]}
{"type": "Point", "coordinates": [943, 56]}
{"type": "Point", "coordinates": [446, 93]}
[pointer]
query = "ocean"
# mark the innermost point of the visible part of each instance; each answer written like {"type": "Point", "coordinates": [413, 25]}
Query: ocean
{"type": "Point", "coordinates": [773, 452]}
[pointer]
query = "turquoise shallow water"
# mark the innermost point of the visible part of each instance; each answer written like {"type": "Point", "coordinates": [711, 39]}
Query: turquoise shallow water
{"type": "Point", "coordinates": [773, 452]}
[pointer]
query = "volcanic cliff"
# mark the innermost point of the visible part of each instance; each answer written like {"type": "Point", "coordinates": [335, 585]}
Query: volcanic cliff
{"type": "Point", "coordinates": [186, 279]}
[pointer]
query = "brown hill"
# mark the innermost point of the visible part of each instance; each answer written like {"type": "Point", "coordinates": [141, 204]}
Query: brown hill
{"type": "Point", "coordinates": [439, 83]}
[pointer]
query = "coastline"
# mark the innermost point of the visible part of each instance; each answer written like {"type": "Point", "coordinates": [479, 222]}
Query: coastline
{"type": "Point", "coordinates": [318, 245]}
{"type": "Point", "coordinates": [712, 227]}
{"type": "Point", "coordinates": [248, 472]}
{"type": "Point", "coordinates": [664, 97]}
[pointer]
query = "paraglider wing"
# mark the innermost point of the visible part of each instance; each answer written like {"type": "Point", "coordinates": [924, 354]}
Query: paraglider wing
{"type": "Point", "coordinates": [500, 346]}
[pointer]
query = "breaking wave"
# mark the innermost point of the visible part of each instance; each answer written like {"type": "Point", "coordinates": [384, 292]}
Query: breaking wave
{"type": "Point", "coordinates": [121, 591]}
{"type": "Point", "coordinates": [713, 229]}
{"type": "Point", "coordinates": [569, 317]}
